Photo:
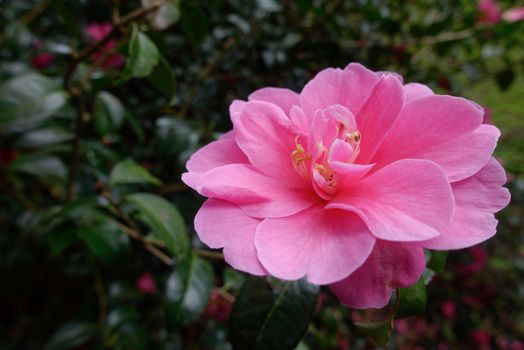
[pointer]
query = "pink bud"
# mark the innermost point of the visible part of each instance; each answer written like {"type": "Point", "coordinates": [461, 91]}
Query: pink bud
{"type": "Point", "coordinates": [145, 283]}
{"type": "Point", "coordinates": [448, 308]}
{"type": "Point", "coordinates": [43, 60]}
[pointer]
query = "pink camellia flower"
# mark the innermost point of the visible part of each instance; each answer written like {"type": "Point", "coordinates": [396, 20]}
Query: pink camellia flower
{"type": "Point", "coordinates": [108, 59]}
{"type": "Point", "coordinates": [489, 11]}
{"type": "Point", "coordinates": [146, 283]}
{"type": "Point", "coordinates": [514, 14]}
{"type": "Point", "coordinates": [347, 182]}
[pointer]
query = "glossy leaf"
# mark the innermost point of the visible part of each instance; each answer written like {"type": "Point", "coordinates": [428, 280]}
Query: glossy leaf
{"type": "Point", "coordinates": [72, 335]}
{"type": "Point", "coordinates": [105, 240]}
{"type": "Point", "coordinates": [164, 220]}
{"type": "Point", "coordinates": [411, 300]}
{"type": "Point", "coordinates": [28, 99]}
{"type": "Point", "coordinates": [108, 114]}
{"type": "Point", "coordinates": [43, 166]}
{"type": "Point", "coordinates": [143, 55]}
{"type": "Point", "coordinates": [128, 171]}
{"type": "Point", "coordinates": [163, 79]}
{"type": "Point", "coordinates": [43, 137]}
{"type": "Point", "coordinates": [188, 289]}
{"type": "Point", "coordinates": [271, 318]}
{"type": "Point", "coordinates": [167, 15]}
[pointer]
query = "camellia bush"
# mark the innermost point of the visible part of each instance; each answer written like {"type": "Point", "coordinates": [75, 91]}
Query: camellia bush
{"type": "Point", "coordinates": [181, 174]}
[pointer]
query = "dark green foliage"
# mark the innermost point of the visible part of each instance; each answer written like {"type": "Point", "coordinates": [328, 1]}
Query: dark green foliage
{"type": "Point", "coordinates": [97, 246]}
{"type": "Point", "coordinates": [272, 317]}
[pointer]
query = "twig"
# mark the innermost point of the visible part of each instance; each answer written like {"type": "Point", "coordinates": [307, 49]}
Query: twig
{"type": "Point", "coordinates": [116, 12]}
{"type": "Point", "coordinates": [229, 297]}
{"type": "Point", "coordinates": [36, 11]}
{"type": "Point", "coordinates": [208, 253]}
{"type": "Point", "coordinates": [77, 93]}
{"type": "Point", "coordinates": [102, 303]}
{"type": "Point", "coordinates": [172, 188]}
{"type": "Point", "coordinates": [82, 116]}
{"type": "Point", "coordinates": [133, 231]}
{"type": "Point", "coordinates": [87, 52]}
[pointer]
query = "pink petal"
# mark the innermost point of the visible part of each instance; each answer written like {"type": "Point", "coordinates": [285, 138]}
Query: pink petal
{"type": "Point", "coordinates": [221, 224]}
{"type": "Point", "coordinates": [324, 245]}
{"type": "Point", "coordinates": [215, 154]}
{"type": "Point", "coordinates": [413, 91]}
{"type": "Point", "coordinates": [390, 265]}
{"type": "Point", "coordinates": [265, 135]}
{"type": "Point", "coordinates": [299, 120]}
{"type": "Point", "coordinates": [350, 87]}
{"type": "Point", "coordinates": [257, 195]}
{"type": "Point", "coordinates": [377, 116]}
{"type": "Point", "coordinates": [236, 107]}
{"type": "Point", "coordinates": [340, 152]}
{"type": "Point", "coordinates": [441, 129]}
{"type": "Point", "coordinates": [283, 98]}
{"type": "Point", "coordinates": [477, 198]}
{"type": "Point", "coordinates": [514, 14]}
{"type": "Point", "coordinates": [409, 200]}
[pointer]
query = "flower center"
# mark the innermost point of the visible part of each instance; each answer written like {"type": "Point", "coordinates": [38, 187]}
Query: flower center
{"type": "Point", "coordinates": [325, 156]}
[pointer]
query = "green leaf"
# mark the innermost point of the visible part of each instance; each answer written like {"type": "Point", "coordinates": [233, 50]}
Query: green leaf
{"type": "Point", "coordinates": [165, 221]}
{"type": "Point", "coordinates": [143, 55]}
{"type": "Point", "coordinates": [131, 336]}
{"type": "Point", "coordinates": [265, 318]}
{"type": "Point", "coordinates": [122, 315]}
{"type": "Point", "coordinates": [29, 99]}
{"type": "Point", "coordinates": [188, 289]}
{"type": "Point", "coordinates": [43, 137]}
{"type": "Point", "coordinates": [378, 331]}
{"type": "Point", "coordinates": [72, 335]}
{"type": "Point", "coordinates": [233, 280]}
{"type": "Point", "coordinates": [163, 79]}
{"type": "Point", "coordinates": [437, 262]}
{"type": "Point", "coordinates": [411, 300]}
{"type": "Point", "coordinates": [165, 16]}
{"type": "Point", "coordinates": [128, 171]}
{"type": "Point", "coordinates": [105, 240]}
{"type": "Point", "coordinates": [43, 166]}
{"type": "Point", "coordinates": [108, 115]}
{"type": "Point", "coordinates": [194, 21]}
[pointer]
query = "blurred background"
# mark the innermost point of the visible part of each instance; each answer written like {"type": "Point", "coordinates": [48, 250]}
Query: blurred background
{"type": "Point", "coordinates": [102, 103]}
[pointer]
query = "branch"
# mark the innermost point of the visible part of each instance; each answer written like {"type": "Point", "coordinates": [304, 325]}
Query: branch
{"type": "Point", "coordinates": [132, 230]}
{"type": "Point", "coordinates": [82, 115]}
{"type": "Point", "coordinates": [123, 21]}
{"type": "Point", "coordinates": [36, 11]}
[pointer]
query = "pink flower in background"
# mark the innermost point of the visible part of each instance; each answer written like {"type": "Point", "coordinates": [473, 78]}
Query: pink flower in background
{"type": "Point", "coordinates": [146, 283]}
{"type": "Point", "coordinates": [514, 14]}
{"type": "Point", "coordinates": [489, 11]}
{"type": "Point", "coordinates": [347, 182]}
{"type": "Point", "coordinates": [481, 338]}
{"type": "Point", "coordinates": [107, 57]}
{"type": "Point", "coordinates": [479, 259]}
{"type": "Point", "coordinates": [218, 307]}
{"type": "Point", "coordinates": [448, 308]}
{"type": "Point", "coordinates": [43, 60]}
